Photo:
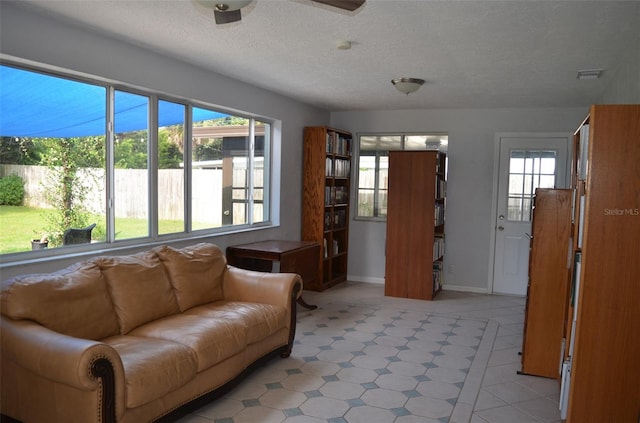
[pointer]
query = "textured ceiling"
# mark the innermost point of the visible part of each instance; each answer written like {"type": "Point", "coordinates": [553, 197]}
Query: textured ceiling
{"type": "Point", "coordinates": [471, 53]}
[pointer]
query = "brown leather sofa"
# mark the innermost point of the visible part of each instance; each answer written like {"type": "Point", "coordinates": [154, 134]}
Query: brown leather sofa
{"type": "Point", "coordinates": [138, 338]}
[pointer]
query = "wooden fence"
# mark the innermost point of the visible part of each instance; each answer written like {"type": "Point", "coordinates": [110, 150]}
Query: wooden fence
{"type": "Point", "coordinates": [131, 191]}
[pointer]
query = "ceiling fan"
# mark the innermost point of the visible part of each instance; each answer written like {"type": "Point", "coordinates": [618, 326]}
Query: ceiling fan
{"type": "Point", "coordinates": [227, 11]}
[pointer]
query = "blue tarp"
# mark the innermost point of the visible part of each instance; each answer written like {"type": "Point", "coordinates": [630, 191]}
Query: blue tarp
{"type": "Point", "coordinates": [37, 105]}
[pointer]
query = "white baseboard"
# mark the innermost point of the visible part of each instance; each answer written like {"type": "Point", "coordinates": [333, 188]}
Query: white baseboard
{"type": "Point", "coordinates": [462, 288]}
{"type": "Point", "coordinates": [366, 279]}
{"type": "Point", "coordinates": [446, 287]}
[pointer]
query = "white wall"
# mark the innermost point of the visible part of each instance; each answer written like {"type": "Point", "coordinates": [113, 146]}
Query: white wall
{"type": "Point", "coordinates": [469, 190]}
{"type": "Point", "coordinates": [57, 44]}
{"type": "Point", "coordinates": [625, 87]}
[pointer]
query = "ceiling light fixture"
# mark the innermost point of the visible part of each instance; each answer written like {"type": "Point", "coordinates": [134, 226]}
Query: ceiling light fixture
{"type": "Point", "coordinates": [343, 44]}
{"type": "Point", "coordinates": [589, 74]}
{"type": "Point", "coordinates": [230, 5]}
{"type": "Point", "coordinates": [407, 85]}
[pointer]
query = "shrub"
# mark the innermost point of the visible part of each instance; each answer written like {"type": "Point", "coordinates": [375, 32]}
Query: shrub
{"type": "Point", "coordinates": [11, 191]}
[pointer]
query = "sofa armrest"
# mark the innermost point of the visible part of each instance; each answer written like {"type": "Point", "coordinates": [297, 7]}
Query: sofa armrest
{"type": "Point", "coordinates": [261, 287]}
{"type": "Point", "coordinates": [79, 363]}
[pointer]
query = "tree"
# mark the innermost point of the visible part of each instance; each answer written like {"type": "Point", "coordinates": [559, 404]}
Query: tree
{"type": "Point", "coordinates": [169, 154]}
{"type": "Point", "coordinates": [211, 150]}
{"type": "Point", "coordinates": [130, 150]}
{"type": "Point", "coordinates": [17, 150]}
{"type": "Point", "coordinates": [65, 190]}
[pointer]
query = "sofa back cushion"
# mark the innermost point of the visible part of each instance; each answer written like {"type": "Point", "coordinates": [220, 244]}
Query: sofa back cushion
{"type": "Point", "coordinates": [139, 288]}
{"type": "Point", "coordinates": [196, 273]}
{"type": "Point", "coordinates": [73, 301]}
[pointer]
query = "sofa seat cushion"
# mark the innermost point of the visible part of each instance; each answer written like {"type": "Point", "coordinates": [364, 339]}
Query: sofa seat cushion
{"type": "Point", "coordinates": [211, 339]}
{"type": "Point", "coordinates": [152, 367]}
{"type": "Point", "coordinates": [259, 320]}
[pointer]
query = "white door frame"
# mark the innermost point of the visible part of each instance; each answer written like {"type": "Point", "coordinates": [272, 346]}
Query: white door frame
{"type": "Point", "coordinates": [496, 178]}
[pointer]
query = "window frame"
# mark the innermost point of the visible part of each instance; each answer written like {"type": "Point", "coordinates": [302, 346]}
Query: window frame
{"type": "Point", "coordinates": [378, 153]}
{"type": "Point", "coordinates": [153, 236]}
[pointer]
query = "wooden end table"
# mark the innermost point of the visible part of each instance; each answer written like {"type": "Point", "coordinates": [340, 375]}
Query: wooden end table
{"type": "Point", "coordinates": [299, 257]}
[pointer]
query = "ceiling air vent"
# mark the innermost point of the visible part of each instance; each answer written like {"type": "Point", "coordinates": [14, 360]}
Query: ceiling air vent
{"type": "Point", "coordinates": [589, 74]}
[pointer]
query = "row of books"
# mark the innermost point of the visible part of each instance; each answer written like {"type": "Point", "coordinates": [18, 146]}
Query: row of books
{"type": "Point", "coordinates": [438, 275]}
{"type": "Point", "coordinates": [336, 195]}
{"type": "Point", "coordinates": [439, 214]}
{"type": "Point", "coordinates": [335, 248]}
{"type": "Point", "coordinates": [335, 220]}
{"type": "Point", "coordinates": [438, 247]}
{"type": "Point", "coordinates": [338, 144]}
{"type": "Point", "coordinates": [339, 168]}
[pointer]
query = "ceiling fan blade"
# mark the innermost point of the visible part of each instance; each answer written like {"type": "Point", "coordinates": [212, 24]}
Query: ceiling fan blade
{"type": "Point", "coordinates": [227, 16]}
{"type": "Point", "coordinates": [349, 5]}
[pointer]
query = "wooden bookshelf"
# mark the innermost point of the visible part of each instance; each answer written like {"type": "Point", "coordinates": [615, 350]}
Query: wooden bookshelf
{"type": "Point", "coordinates": [602, 384]}
{"type": "Point", "coordinates": [415, 224]}
{"type": "Point", "coordinates": [548, 288]}
{"type": "Point", "coordinates": [325, 202]}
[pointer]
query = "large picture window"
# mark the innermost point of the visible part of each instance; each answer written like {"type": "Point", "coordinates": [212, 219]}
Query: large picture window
{"type": "Point", "coordinates": [84, 162]}
{"type": "Point", "coordinates": [373, 167]}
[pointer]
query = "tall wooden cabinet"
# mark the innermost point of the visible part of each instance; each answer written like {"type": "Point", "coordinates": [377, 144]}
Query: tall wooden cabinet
{"type": "Point", "coordinates": [325, 201]}
{"type": "Point", "coordinates": [601, 376]}
{"type": "Point", "coordinates": [548, 288]}
{"type": "Point", "coordinates": [415, 224]}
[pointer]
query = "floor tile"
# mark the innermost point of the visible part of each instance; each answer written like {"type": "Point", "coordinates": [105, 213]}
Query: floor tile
{"type": "Point", "coordinates": [511, 392]}
{"type": "Point", "coordinates": [542, 409]}
{"type": "Point", "coordinates": [367, 414]}
{"type": "Point", "coordinates": [505, 414]}
{"type": "Point", "coordinates": [384, 398]}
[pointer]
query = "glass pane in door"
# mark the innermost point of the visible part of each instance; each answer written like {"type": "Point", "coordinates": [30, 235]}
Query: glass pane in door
{"type": "Point", "coordinates": [528, 170]}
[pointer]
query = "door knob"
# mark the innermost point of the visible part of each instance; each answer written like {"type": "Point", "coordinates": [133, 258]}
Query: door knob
{"type": "Point", "coordinates": [501, 228]}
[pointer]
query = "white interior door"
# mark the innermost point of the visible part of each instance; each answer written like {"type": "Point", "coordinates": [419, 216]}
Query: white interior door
{"type": "Point", "coordinates": [526, 162]}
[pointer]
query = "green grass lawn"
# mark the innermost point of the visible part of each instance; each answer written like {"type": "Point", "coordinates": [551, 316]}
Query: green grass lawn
{"type": "Point", "coordinates": [20, 225]}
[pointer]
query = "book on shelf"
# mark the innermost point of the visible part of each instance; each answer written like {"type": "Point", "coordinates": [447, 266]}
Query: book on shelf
{"type": "Point", "coordinates": [583, 146]}
{"type": "Point", "coordinates": [581, 221]}
{"type": "Point", "coordinates": [328, 168]}
{"type": "Point", "coordinates": [439, 214]}
{"type": "Point", "coordinates": [438, 275]}
{"type": "Point", "coordinates": [575, 291]}
{"type": "Point", "coordinates": [438, 247]}
{"type": "Point", "coordinates": [339, 219]}
{"type": "Point", "coordinates": [441, 187]}
{"type": "Point", "coordinates": [574, 192]}
{"type": "Point", "coordinates": [328, 195]}
{"type": "Point", "coordinates": [327, 220]}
